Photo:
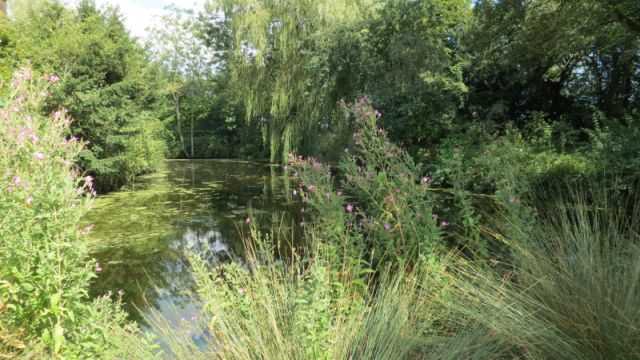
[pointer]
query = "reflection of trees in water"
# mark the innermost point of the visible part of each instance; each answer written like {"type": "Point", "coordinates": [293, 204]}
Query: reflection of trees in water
{"type": "Point", "coordinates": [147, 278]}
{"type": "Point", "coordinates": [203, 210]}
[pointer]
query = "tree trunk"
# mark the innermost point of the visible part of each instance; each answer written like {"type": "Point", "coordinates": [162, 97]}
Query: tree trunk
{"type": "Point", "coordinates": [192, 101]}
{"type": "Point", "coordinates": [176, 101]}
{"type": "Point", "coordinates": [3, 8]}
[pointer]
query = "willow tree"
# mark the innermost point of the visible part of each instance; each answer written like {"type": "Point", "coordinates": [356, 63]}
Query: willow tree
{"type": "Point", "coordinates": [279, 61]}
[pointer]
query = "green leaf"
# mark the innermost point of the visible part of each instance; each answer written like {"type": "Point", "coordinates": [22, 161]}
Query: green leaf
{"type": "Point", "coordinates": [58, 338]}
{"type": "Point", "coordinates": [55, 300]}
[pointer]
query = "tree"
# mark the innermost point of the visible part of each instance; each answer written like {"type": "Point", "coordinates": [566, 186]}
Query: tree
{"type": "Point", "coordinates": [107, 86]}
{"type": "Point", "coordinates": [558, 57]}
{"type": "Point", "coordinates": [182, 53]}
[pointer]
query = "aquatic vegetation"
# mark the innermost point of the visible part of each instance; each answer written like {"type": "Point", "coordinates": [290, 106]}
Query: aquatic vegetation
{"type": "Point", "coordinates": [197, 205]}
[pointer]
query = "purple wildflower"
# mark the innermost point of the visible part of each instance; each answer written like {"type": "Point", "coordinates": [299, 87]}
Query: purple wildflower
{"type": "Point", "coordinates": [53, 78]}
{"type": "Point", "coordinates": [350, 208]}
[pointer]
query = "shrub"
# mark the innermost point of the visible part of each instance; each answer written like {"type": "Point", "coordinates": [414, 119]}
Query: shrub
{"type": "Point", "coordinates": [44, 270]}
{"type": "Point", "coordinates": [383, 206]}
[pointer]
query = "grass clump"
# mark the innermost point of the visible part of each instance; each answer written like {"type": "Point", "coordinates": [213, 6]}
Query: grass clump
{"type": "Point", "coordinates": [570, 289]}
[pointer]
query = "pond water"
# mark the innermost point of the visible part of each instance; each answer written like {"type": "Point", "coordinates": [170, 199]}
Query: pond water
{"type": "Point", "coordinates": [141, 235]}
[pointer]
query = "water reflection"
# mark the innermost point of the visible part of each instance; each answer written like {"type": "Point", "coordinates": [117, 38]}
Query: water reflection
{"type": "Point", "coordinates": [140, 235]}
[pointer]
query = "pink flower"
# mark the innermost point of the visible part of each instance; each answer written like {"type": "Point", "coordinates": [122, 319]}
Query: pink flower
{"type": "Point", "coordinates": [33, 137]}
{"type": "Point", "coordinates": [39, 156]}
{"type": "Point", "coordinates": [513, 199]}
{"type": "Point", "coordinates": [350, 208]}
{"type": "Point", "coordinates": [302, 210]}
{"type": "Point", "coordinates": [105, 297]}
{"type": "Point", "coordinates": [301, 223]}
{"type": "Point", "coordinates": [295, 173]}
{"type": "Point", "coordinates": [311, 187]}
{"type": "Point", "coordinates": [9, 188]}
{"type": "Point", "coordinates": [53, 78]}
{"type": "Point", "coordinates": [29, 200]}
{"type": "Point", "coordinates": [378, 114]}
{"type": "Point", "coordinates": [434, 216]}
{"type": "Point", "coordinates": [16, 180]}
{"type": "Point", "coordinates": [120, 292]}
{"type": "Point", "coordinates": [240, 290]}
{"type": "Point", "coordinates": [387, 226]}
{"type": "Point", "coordinates": [444, 223]}
{"type": "Point", "coordinates": [247, 220]}
{"type": "Point", "coordinates": [426, 180]}
{"type": "Point", "coordinates": [88, 180]}
{"type": "Point", "coordinates": [295, 192]}
{"type": "Point", "coordinates": [98, 267]}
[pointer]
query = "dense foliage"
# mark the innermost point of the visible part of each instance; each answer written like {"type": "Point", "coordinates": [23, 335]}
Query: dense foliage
{"type": "Point", "coordinates": [107, 84]}
{"type": "Point", "coordinates": [557, 77]}
{"type": "Point", "coordinates": [45, 309]}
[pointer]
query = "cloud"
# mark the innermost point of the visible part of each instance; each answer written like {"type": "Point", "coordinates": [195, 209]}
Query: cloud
{"type": "Point", "coordinates": [138, 15]}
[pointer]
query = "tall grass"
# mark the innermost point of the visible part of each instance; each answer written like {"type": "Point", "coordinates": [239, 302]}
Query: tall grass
{"type": "Point", "coordinates": [305, 307]}
{"type": "Point", "coordinates": [570, 291]}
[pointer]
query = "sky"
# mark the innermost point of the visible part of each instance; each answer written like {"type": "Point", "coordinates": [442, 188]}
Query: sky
{"type": "Point", "coordinates": [140, 14]}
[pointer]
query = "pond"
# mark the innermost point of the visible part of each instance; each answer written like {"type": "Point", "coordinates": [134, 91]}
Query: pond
{"type": "Point", "coordinates": [141, 234]}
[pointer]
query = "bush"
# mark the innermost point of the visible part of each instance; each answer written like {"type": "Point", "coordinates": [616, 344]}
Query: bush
{"type": "Point", "coordinates": [383, 207]}
{"type": "Point", "coordinates": [44, 270]}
